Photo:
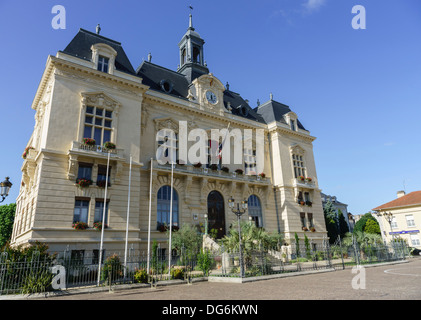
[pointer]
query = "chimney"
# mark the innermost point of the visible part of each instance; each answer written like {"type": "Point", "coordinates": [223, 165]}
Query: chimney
{"type": "Point", "coordinates": [400, 193]}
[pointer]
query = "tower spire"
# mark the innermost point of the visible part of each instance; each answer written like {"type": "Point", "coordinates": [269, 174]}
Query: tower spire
{"type": "Point", "coordinates": [191, 22]}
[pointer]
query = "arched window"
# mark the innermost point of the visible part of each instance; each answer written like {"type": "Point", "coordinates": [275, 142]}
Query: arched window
{"type": "Point", "coordinates": [255, 210]}
{"type": "Point", "coordinates": [163, 207]}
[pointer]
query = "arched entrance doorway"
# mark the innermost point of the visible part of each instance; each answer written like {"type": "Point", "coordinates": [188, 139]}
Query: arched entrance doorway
{"type": "Point", "coordinates": [216, 213]}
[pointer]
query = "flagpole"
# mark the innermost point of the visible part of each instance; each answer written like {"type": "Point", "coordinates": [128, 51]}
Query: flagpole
{"type": "Point", "coordinates": [169, 254]}
{"type": "Point", "coordinates": [127, 222]}
{"type": "Point", "coordinates": [103, 219]}
{"type": "Point", "coordinates": [149, 225]}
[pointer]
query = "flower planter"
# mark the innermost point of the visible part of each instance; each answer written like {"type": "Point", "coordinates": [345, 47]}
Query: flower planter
{"type": "Point", "coordinates": [98, 226]}
{"type": "Point", "coordinates": [83, 182]}
{"type": "Point", "coordinates": [78, 225]}
{"type": "Point", "coordinates": [89, 142]}
{"type": "Point", "coordinates": [26, 152]}
{"type": "Point", "coordinates": [109, 145]}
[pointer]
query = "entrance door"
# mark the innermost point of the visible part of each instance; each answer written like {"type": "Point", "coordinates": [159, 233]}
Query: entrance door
{"type": "Point", "coordinates": [216, 213]}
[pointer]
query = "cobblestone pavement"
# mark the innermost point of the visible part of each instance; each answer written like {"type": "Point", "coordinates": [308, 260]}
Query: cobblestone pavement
{"type": "Point", "coordinates": [392, 281]}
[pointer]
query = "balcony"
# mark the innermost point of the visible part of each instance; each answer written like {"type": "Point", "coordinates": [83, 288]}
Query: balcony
{"type": "Point", "coordinates": [303, 183]}
{"type": "Point", "coordinates": [209, 173]}
{"type": "Point", "coordinates": [96, 150]}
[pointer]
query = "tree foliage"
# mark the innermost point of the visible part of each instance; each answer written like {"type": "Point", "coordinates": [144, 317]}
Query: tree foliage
{"type": "Point", "coordinates": [7, 216]}
{"type": "Point", "coordinates": [331, 221]}
{"type": "Point", "coordinates": [361, 224]}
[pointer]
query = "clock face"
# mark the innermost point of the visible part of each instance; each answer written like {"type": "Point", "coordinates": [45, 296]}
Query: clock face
{"type": "Point", "coordinates": [211, 97]}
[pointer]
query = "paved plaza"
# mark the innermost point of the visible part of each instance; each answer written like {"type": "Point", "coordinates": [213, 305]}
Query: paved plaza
{"type": "Point", "coordinates": [386, 282]}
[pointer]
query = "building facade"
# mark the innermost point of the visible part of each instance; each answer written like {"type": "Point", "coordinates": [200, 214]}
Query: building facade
{"type": "Point", "coordinates": [92, 105]}
{"type": "Point", "coordinates": [401, 218]}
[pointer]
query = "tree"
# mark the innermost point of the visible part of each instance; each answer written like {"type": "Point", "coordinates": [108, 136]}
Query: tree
{"type": "Point", "coordinates": [331, 221]}
{"type": "Point", "coordinates": [360, 225]}
{"type": "Point", "coordinates": [187, 238]}
{"type": "Point", "coordinates": [372, 227]}
{"type": "Point", "coordinates": [7, 217]}
{"type": "Point", "coordinates": [343, 226]}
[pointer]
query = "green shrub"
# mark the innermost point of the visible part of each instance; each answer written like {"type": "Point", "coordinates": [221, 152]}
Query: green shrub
{"type": "Point", "coordinates": [112, 268]}
{"type": "Point", "coordinates": [141, 276]}
{"type": "Point", "coordinates": [177, 273]}
{"type": "Point", "coordinates": [205, 262]}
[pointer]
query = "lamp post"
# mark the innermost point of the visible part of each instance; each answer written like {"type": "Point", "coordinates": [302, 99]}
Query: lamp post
{"type": "Point", "coordinates": [239, 212]}
{"type": "Point", "coordinates": [5, 188]}
{"type": "Point", "coordinates": [206, 223]}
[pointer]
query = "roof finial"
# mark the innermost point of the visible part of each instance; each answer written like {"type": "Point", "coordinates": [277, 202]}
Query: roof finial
{"type": "Point", "coordinates": [149, 57]}
{"type": "Point", "coordinates": [271, 96]}
{"type": "Point", "coordinates": [98, 29]}
{"type": "Point", "coordinates": [190, 18]}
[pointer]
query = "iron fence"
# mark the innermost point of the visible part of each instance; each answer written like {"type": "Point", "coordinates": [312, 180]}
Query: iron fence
{"type": "Point", "coordinates": [35, 274]}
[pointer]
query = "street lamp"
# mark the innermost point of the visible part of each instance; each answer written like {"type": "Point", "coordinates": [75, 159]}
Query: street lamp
{"type": "Point", "coordinates": [5, 188]}
{"type": "Point", "coordinates": [239, 211]}
{"type": "Point", "coordinates": [206, 223]}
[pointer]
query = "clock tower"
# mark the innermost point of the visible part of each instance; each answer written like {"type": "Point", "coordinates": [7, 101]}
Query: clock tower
{"type": "Point", "coordinates": [192, 62]}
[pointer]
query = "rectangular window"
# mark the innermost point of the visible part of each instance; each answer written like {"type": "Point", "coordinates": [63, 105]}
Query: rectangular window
{"type": "Point", "coordinates": [293, 125]}
{"type": "Point", "coordinates": [310, 220]}
{"type": "Point", "coordinates": [415, 240]}
{"type": "Point", "coordinates": [410, 220]}
{"type": "Point", "coordinates": [99, 208]}
{"type": "Point", "coordinates": [98, 124]}
{"type": "Point", "coordinates": [394, 224]}
{"type": "Point", "coordinates": [81, 211]}
{"type": "Point", "coordinates": [303, 219]}
{"type": "Point", "coordinates": [85, 171]}
{"type": "Point", "coordinates": [167, 145]}
{"type": "Point", "coordinates": [103, 64]}
{"type": "Point", "coordinates": [77, 256]}
{"type": "Point", "coordinates": [102, 175]}
{"type": "Point", "coordinates": [250, 161]}
{"type": "Point", "coordinates": [298, 164]}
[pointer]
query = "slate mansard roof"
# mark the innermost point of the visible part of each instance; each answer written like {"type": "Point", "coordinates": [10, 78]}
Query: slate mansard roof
{"type": "Point", "coordinates": [171, 82]}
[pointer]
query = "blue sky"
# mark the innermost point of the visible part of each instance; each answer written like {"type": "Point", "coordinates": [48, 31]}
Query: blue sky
{"type": "Point", "coordinates": [357, 91]}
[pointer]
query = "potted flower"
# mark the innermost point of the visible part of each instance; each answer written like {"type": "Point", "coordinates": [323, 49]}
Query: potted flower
{"type": "Point", "coordinates": [308, 179]}
{"type": "Point", "coordinates": [309, 203]}
{"type": "Point", "coordinates": [79, 225]}
{"type": "Point", "coordinates": [26, 152]}
{"type": "Point", "coordinates": [225, 169]}
{"type": "Point", "coordinates": [304, 228]}
{"type": "Point", "coordinates": [312, 229]}
{"type": "Point", "coordinates": [83, 182]}
{"type": "Point", "coordinates": [301, 202]}
{"type": "Point", "coordinates": [98, 226]}
{"type": "Point", "coordinates": [262, 175]}
{"type": "Point", "coordinates": [89, 142]}
{"type": "Point", "coordinates": [109, 145]}
{"type": "Point", "coordinates": [301, 178]}
{"type": "Point", "coordinates": [239, 171]}
{"type": "Point", "coordinates": [213, 167]}
{"type": "Point", "coordinates": [197, 165]}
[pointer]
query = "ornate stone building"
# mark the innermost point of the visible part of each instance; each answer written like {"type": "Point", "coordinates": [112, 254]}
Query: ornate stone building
{"type": "Point", "coordinates": [92, 103]}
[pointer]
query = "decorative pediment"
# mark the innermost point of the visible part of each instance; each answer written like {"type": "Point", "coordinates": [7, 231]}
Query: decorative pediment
{"type": "Point", "coordinates": [209, 92]}
{"type": "Point", "coordinates": [296, 149]}
{"type": "Point", "coordinates": [169, 123]}
{"type": "Point", "coordinates": [99, 99]}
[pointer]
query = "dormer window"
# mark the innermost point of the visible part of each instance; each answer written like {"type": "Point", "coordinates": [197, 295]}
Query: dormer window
{"type": "Point", "coordinates": [103, 64]}
{"type": "Point", "coordinates": [103, 57]}
{"type": "Point", "coordinates": [293, 127]}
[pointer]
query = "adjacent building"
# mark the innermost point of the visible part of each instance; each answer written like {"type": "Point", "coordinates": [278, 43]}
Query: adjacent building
{"type": "Point", "coordinates": [343, 207]}
{"type": "Point", "coordinates": [92, 105]}
{"type": "Point", "coordinates": [401, 218]}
